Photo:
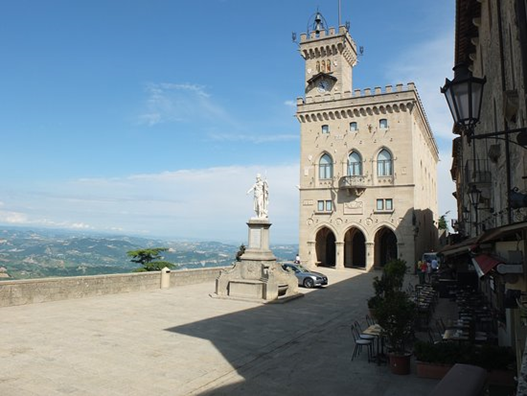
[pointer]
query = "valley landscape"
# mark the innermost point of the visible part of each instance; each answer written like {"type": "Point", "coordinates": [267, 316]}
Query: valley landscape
{"type": "Point", "coordinates": [40, 253]}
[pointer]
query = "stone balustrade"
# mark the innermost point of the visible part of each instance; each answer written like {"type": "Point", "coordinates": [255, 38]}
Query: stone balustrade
{"type": "Point", "coordinates": [30, 291]}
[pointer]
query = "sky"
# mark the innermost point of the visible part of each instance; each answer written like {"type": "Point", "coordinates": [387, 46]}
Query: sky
{"type": "Point", "coordinates": [153, 117]}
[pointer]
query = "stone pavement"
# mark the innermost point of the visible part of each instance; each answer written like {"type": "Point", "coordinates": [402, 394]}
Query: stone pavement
{"type": "Point", "coordinates": [180, 341]}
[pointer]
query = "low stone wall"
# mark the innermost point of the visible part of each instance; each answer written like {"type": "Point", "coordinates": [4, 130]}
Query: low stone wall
{"type": "Point", "coordinates": [21, 292]}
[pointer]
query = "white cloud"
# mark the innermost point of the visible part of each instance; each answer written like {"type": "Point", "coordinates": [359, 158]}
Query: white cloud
{"type": "Point", "coordinates": [13, 217]}
{"type": "Point", "coordinates": [290, 103]}
{"type": "Point", "coordinates": [195, 203]}
{"type": "Point", "coordinates": [168, 102]}
{"type": "Point", "coordinates": [257, 138]}
{"type": "Point", "coordinates": [427, 64]}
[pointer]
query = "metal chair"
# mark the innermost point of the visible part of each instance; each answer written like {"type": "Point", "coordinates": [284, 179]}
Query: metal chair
{"type": "Point", "coordinates": [369, 320]}
{"type": "Point", "coordinates": [362, 335]}
{"type": "Point", "coordinates": [359, 343]}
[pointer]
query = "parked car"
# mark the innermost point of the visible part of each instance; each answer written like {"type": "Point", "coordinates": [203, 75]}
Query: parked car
{"type": "Point", "coordinates": [305, 277]}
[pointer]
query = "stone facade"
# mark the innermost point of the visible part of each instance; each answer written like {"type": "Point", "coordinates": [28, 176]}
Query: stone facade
{"type": "Point", "coordinates": [491, 39]}
{"type": "Point", "coordinates": [368, 162]}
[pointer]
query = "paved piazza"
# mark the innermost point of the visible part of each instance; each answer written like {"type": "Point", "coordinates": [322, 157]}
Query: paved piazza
{"type": "Point", "coordinates": [180, 341]}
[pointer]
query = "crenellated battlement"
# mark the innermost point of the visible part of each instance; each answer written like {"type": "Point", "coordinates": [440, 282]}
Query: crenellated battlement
{"type": "Point", "coordinates": [332, 31]}
{"type": "Point", "coordinates": [358, 93]}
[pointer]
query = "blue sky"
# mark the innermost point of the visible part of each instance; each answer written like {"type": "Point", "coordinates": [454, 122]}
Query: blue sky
{"type": "Point", "coordinates": [153, 117]}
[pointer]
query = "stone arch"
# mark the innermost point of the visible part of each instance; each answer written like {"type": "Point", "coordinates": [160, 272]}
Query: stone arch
{"type": "Point", "coordinates": [325, 247]}
{"type": "Point", "coordinates": [385, 242]}
{"type": "Point", "coordinates": [354, 248]}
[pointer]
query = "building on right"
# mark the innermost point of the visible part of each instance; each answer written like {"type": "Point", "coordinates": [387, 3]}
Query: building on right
{"type": "Point", "coordinates": [487, 99]}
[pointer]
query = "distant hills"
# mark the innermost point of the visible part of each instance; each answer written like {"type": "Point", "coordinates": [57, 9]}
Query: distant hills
{"type": "Point", "coordinates": [39, 253]}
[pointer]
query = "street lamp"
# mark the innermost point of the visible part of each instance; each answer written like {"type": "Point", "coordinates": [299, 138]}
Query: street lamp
{"type": "Point", "coordinates": [463, 95]}
{"type": "Point", "coordinates": [474, 194]}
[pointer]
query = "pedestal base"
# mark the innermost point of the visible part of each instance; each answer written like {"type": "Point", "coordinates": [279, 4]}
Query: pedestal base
{"type": "Point", "coordinates": [261, 281]}
{"type": "Point", "coordinates": [257, 276]}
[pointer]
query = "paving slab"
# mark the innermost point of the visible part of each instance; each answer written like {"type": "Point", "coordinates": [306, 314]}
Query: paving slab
{"type": "Point", "coordinates": [179, 341]}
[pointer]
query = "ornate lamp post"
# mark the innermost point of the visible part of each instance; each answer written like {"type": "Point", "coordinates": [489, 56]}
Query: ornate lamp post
{"type": "Point", "coordinates": [474, 195]}
{"type": "Point", "coordinates": [464, 97]}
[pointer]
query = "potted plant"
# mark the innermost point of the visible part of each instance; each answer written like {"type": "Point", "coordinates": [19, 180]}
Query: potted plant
{"type": "Point", "coordinates": [396, 315]}
{"type": "Point", "coordinates": [435, 359]}
{"type": "Point", "coordinates": [392, 279]}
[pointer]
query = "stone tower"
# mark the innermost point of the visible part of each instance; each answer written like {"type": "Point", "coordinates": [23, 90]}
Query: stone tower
{"type": "Point", "coordinates": [368, 161]}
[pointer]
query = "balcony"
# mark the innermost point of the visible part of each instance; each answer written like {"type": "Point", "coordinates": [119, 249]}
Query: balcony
{"type": "Point", "coordinates": [353, 184]}
{"type": "Point", "coordinates": [478, 172]}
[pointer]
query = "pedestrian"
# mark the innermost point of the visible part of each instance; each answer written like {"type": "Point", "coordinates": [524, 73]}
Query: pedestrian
{"type": "Point", "coordinates": [423, 270]}
{"type": "Point", "coordinates": [297, 259]}
{"type": "Point", "coordinates": [435, 265]}
{"type": "Point", "coordinates": [420, 272]}
{"type": "Point", "coordinates": [429, 270]}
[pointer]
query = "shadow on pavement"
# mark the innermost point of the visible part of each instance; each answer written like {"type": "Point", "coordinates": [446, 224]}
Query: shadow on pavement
{"type": "Point", "coordinates": [302, 347]}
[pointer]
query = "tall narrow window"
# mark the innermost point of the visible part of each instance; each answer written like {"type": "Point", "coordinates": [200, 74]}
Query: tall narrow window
{"type": "Point", "coordinates": [325, 167]}
{"type": "Point", "coordinates": [328, 65]}
{"type": "Point", "coordinates": [384, 163]}
{"type": "Point", "coordinates": [325, 128]}
{"type": "Point", "coordinates": [323, 66]}
{"type": "Point", "coordinates": [354, 164]}
{"type": "Point", "coordinates": [353, 127]}
{"type": "Point", "coordinates": [383, 123]}
{"type": "Point", "coordinates": [318, 66]}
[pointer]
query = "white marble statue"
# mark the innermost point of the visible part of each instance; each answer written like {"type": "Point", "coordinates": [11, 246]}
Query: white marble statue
{"type": "Point", "coordinates": [261, 197]}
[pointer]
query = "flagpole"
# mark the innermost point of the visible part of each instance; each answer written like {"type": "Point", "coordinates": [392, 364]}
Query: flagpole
{"type": "Point", "coordinates": [339, 14]}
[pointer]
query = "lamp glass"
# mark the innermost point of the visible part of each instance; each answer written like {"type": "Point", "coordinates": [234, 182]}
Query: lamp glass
{"type": "Point", "coordinates": [474, 195]}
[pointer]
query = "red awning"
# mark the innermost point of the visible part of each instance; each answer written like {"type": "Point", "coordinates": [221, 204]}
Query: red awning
{"type": "Point", "coordinates": [484, 263]}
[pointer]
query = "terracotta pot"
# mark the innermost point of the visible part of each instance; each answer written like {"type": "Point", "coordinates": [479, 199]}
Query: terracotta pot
{"type": "Point", "coordinates": [432, 370]}
{"type": "Point", "coordinates": [400, 364]}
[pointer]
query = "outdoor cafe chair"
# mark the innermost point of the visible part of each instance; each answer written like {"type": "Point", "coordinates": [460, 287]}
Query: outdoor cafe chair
{"type": "Point", "coordinates": [359, 343]}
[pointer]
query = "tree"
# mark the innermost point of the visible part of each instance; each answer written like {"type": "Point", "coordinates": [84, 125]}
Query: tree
{"type": "Point", "coordinates": [150, 259]}
{"type": "Point", "coordinates": [240, 252]}
{"type": "Point", "coordinates": [442, 223]}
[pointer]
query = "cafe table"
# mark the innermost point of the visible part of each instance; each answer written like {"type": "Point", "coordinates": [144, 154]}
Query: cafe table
{"type": "Point", "coordinates": [376, 331]}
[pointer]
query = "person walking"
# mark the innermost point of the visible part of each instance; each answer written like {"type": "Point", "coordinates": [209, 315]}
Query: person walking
{"type": "Point", "coordinates": [429, 271]}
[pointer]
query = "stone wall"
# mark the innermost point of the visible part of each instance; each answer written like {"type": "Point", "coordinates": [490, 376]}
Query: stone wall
{"type": "Point", "coordinates": [21, 292]}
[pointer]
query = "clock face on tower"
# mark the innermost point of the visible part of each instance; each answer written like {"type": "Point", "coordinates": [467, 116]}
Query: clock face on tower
{"type": "Point", "coordinates": [322, 85]}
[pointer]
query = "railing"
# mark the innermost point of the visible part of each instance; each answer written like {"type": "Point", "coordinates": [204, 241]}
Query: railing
{"type": "Point", "coordinates": [477, 171]}
{"type": "Point", "coordinates": [356, 181]}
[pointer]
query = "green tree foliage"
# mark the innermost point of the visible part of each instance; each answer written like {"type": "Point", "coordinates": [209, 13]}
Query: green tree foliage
{"type": "Point", "coordinates": [240, 252]}
{"type": "Point", "coordinates": [442, 224]}
{"type": "Point", "coordinates": [149, 259]}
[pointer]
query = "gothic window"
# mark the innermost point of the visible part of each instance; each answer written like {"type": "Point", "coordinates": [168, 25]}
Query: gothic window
{"type": "Point", "coordinates": [384, 163]}
{"type": "Point", "coordinates": [355, 164]}
{"type": "Point", "coordinates": [383, 123]}
{"type": "Point", "coordinates": [318, 66]}
{"type": "Point", "coordinates": [328, 64]}
{"type": "Point", "coordinates": [323, 66]}
{"type": "Point", "coordinates": [325, 167]}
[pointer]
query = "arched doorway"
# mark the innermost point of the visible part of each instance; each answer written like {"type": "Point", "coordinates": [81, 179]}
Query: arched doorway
{"type": "Point", "coordinates": [354, 249]}
{"type": "Point", "coordinates": [325, 247]}
{"type": "Point", "coordinates": [385, 246]}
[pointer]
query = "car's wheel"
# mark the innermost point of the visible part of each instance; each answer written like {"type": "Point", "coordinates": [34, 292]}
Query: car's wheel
{"type": "Point", "coordinates": [309, 283]}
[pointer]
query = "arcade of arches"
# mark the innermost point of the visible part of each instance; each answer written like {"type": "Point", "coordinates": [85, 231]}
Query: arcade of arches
{"type": "Point", "coordinates": [355, 248]}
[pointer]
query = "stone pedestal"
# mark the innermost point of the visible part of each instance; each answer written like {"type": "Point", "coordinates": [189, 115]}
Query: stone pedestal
{"type": "Point", "coordinates": [257, 277]}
